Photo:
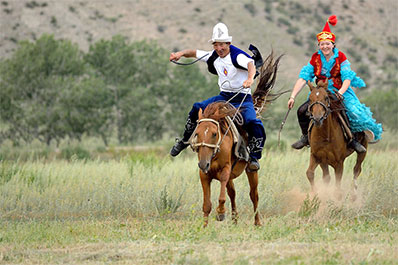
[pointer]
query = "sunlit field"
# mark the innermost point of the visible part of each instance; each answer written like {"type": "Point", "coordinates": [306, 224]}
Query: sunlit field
{"type": "Point", "coordinates": [146, 208]}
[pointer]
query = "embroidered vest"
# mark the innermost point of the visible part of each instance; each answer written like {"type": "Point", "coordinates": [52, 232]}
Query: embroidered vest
{"type": "Point", "coordinates": [234, 52]}
{"type": "Point", "coordinates": [335, 75]}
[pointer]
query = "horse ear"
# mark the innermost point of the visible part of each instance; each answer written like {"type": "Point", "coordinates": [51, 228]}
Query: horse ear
{"type": "Point", "coordinates": [310, 85]}
{"type": "Point", "coordinates": [200, 114]}
{"type": "Point", "coordinates": [326, 83]}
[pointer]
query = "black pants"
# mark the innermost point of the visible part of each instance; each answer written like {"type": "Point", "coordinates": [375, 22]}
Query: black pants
{"type": "Point", "coordinates": [303, 118]}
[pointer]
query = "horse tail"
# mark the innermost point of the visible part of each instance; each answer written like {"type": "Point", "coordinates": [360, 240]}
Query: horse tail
{"type": "Point", "coordinates": [267, 78]}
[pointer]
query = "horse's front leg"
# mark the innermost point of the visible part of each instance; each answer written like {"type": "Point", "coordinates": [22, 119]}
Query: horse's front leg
{"type": "Point", "coordinates": [205, 180]}
{"type": "Point", "coordinates": [232, 194]}
{"type": "Point", "coordinates": [253, 182]}
{"type": "Point", "coordinates": [311, 171]}
{"type": "Point", "coordinates": [224, 178]}
{"type": "Point", "coordinates": [326, 175]}
{"type": "Point", "coordinates": [338, 170]}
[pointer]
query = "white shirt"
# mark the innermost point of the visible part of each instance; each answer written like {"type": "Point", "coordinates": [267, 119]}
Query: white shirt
{"type": "Point", "coordinates": [230, 78]}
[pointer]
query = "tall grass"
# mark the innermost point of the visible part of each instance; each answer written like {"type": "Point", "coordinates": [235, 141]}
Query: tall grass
{"type": "Point", "coordinates": [152, 185]}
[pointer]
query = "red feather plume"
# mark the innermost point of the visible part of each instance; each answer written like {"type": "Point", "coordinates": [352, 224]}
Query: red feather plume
{"type": "Point", "coordinates": [332, 20]}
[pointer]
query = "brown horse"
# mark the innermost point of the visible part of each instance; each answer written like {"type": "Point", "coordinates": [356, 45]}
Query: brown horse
{"type": "Point", "coordinates": [327, 140]}
{"type": "Point", "coordinates": [214, 142]}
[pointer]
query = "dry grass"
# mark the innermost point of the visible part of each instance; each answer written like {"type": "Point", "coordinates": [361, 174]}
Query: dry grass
{"type": "Point", "coordinates": [109, 212]}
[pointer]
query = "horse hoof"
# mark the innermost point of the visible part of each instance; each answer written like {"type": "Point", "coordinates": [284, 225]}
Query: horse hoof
{"type": "Point", "coordinates": [220, 217]}
{"type": "Point", "coordinates": [235, 219]}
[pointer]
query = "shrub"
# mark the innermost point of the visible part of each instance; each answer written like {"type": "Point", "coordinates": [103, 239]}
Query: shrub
{"type": "Point", "coordinates": [283, 21]}
{"type": "Point", "coordinates": [75, 152]}
{"type": "Point", "coordinates": [250, 8]}
{"type": "Point", "coordinates": [309, 207]}
{"type": "Point", "coordinates": [166, 204]}
{"type": "Point", "coordinates": [364, 72]}
{"type": "Point", "coordinates": [161, 28]}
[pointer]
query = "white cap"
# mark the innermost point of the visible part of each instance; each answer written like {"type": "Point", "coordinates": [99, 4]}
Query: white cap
{"type": "Point", "coordinates": [220, 34]}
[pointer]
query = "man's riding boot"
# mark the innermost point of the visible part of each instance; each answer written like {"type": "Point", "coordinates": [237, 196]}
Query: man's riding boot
{"type": "Point", "coordinates": [357, 146]}
{"type": "Point", "coordinates": [181, 143]}
{"type": "Point", "coordinates": [178, 147]}
{"type": "Point", "coordinates": [302, 142]}
{"type": "Point", "coordinates": [253, 164]}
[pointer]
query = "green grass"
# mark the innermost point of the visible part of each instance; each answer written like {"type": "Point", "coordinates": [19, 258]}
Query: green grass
{"type": "Point", "coordinates": [182, 240]}
{"type": "Point", "coordinates": [145, 208]}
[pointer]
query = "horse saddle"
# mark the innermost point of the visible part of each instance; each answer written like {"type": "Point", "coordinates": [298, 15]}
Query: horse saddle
{"type": "Point", "coordinates": [240, 147]}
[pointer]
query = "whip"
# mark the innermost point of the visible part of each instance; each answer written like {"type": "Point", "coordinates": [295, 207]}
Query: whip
{"type": "Point", "coordinates": [190, 62]}
{"type": "Point", "coordinates": [282, 124]}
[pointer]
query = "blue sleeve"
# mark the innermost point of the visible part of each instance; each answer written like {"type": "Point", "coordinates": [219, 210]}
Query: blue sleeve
{"type": "Point", "coordinates": [307, 72]}
{"type": "Point", "coordinates": [348, 74]}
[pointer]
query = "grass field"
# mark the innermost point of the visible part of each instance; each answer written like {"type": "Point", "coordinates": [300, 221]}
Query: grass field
{"type": "Point", "coordinates": [145, 208]}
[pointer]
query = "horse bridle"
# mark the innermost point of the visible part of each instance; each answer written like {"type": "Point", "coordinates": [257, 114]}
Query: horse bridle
{"type": "Point", "coordinates": [327, 109]}
{"type": "Point", "coordinates": [216, 146]}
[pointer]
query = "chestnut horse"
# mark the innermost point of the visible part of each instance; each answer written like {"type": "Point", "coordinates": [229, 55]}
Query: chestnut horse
{"type": "Point", "coordinates": [327, 140]}
{"type": "Point", "coordinates": [213, 142]}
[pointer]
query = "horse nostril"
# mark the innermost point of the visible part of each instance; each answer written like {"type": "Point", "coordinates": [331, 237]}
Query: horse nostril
{"type": "Point", "coordinates": [204, 166]}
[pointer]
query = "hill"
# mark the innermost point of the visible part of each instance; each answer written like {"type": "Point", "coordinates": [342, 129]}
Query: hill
{"type": "Point", "coordinates": [366, 30]}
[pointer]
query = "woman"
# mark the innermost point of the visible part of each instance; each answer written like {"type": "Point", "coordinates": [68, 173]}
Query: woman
{"type": "Point", "coordinates": [330, 63]}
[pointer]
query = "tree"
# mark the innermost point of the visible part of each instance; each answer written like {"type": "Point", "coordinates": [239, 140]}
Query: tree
{"type": "Point", "coordinates": [30, 87]}
{"type": "Point", "coordinates": [186, 85]}
{"type": "Point", "coordinates": [135, 74]}
{"type": "Point", "coordinates": [385, 107]}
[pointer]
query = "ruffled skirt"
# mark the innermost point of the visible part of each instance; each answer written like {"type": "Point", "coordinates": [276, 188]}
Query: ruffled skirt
{"type": "Point", "coordinates": [360, 116]}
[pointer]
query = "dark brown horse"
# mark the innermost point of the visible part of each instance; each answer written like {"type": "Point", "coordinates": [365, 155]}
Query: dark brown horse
{"type": "Point", "coordinates": [327, 140]}
{"type": "Point", "coordinates": [214, 142]}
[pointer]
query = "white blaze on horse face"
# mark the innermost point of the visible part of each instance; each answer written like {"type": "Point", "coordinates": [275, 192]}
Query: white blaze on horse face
{"type": "Point", "coordinates": [206, 131]}
{"type": "Point", "coordinates": [317, 93]}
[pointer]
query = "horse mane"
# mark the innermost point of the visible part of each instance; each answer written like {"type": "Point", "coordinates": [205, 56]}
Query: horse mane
{"type": "Point", "coordinates": [267, 78]}
{"type": "Point", "coordinates": [219, 111]}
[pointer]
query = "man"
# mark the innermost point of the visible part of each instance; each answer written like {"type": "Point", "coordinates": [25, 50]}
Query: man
{"type": "Point", "coordinates": [236, 71]}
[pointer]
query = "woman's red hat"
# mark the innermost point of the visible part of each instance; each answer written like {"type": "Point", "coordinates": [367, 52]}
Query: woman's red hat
{"type": "Point", "coordinates": [326, 34]}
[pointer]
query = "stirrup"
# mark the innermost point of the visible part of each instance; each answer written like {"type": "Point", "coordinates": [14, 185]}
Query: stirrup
{"type": "Point", "coordinates": [254, 165]}
{"type": "Point", "coordinates": [178, 147]}
{"type": "Point", "coordinates": [357, 146]}
{"type": "Point", "coordinates": [301, 143]}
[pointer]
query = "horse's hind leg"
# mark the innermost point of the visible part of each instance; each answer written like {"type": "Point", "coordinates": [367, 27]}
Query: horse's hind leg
{"type": "Point", "coordinates": [206, 197]}
{"type": "Point", "coordinates": [253, 182]}
{"type": "Point", "coordinates": [231, 193]}
{"type": "Point", "coordinates": [311, 171]}
{"type": "Point", "coordinates": [357, 172]}
{"type": "Point", "coordinates": [326, 175]}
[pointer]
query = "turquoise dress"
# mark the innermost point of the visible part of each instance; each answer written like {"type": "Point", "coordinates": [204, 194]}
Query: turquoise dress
{"type": "Point", "coordinates": [359, 114]}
